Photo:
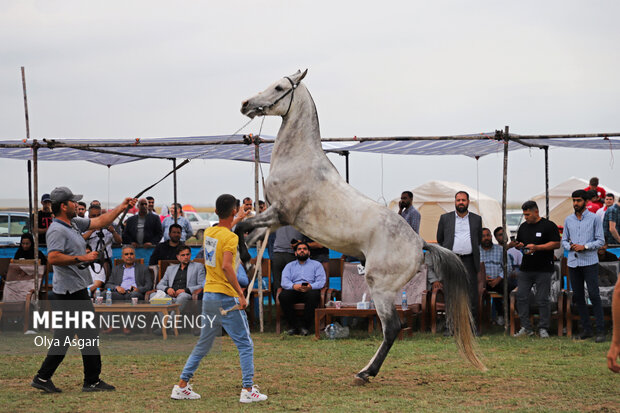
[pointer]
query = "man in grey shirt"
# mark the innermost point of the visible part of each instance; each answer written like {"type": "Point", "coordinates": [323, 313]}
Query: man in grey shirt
{"type": "Point", "coordinates": [67, 253]}
{"type": "Point", "coordinates": [283, 253]}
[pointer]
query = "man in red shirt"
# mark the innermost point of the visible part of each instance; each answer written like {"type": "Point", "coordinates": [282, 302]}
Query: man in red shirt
{"type": "Point", "coordinates": [600, 192]}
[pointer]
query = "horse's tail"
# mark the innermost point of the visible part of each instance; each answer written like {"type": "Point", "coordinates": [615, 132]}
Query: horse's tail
{"type": "Point", "coordinates": [452, 272]}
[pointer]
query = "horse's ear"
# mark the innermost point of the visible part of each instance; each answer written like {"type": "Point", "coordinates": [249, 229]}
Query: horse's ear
{"type": "Point", "coordinates": [302, 75]}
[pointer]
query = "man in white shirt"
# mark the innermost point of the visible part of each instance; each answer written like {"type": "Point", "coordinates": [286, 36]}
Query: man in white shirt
{"type": "Point", "coordinates": [609, 201]}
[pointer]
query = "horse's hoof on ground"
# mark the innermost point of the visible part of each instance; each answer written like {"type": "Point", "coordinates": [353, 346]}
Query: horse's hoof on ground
{"type": "Point", "coordinates": [360, 380]}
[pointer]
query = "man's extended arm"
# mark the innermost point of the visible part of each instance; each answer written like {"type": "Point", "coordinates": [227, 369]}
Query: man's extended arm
{"type": "Point", "coordinates": [106, 219]}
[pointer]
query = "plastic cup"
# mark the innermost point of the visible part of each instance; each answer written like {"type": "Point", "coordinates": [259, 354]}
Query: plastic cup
{"type": "Point", "coordinates": [134, 300]}
{"type": "Point", "coordinates": [99, 300]}
{"type": "Point", "coordinates": [337, 304]}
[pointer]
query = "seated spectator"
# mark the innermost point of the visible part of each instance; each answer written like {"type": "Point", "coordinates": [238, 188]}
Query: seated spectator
{"type": "Point", "coordinates": [609, 202]}
{"type": "Point", "coordinates": [98, 273]}
{"type": "Point", "coordinates": [594, 203]}
{"type": "Point", "coordinates": [186, 227]}
{"type": "Point", "coordinates": [143, 229]}
{"type": "Point", "coordinates": [599, 191]}
{"type": "Point", "coordinates": [130, 279]}
{"type": "Point", "coordinates": [181, 280]}
{"type": "Point", "coordinates": [302, 281]}
{"type": "Point", "coordinates": [26, 249]}
{"type": "Point", "coordinates": [167, 250]}
{"type": "Point", "coordinates": [107, 235]}
{"type": "Point", "coordinates": [81, 209]}
{"type": "Point", "coordinates": [517, 256]}
{"type": "Point", "coordinates": [242, 276]}
{"type": "Point", "coordinates": [492, 257]}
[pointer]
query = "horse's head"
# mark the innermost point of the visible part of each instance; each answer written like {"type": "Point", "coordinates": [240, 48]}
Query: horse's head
{"type": "Point", "coordinates": [276, 100]}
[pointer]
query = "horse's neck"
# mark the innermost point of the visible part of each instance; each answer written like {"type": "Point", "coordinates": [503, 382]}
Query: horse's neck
{"type": "Point", "coordinates": [299, 134]}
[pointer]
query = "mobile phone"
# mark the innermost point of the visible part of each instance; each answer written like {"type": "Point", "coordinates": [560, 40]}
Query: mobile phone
{"type": "Point", "coordinates": [305, 284]}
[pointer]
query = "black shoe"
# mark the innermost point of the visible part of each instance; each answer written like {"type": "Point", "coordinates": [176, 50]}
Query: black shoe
{"type": "Point", "coordinates": [99, 386]}
{"type": "Point", "coordinates": [600, 338]}
{"type": "Point", "coordinates": [304, 332]}
{"type": "Point", "coordinates": [47, 385]}
{"type": "Point", "coordinates": [585, 335]}
{"type": "Point", "coordinates": [292, 332]}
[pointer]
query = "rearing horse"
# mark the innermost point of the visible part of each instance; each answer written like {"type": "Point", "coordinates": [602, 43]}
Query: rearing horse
{"type": "Point", "coordinates": [306, 191]}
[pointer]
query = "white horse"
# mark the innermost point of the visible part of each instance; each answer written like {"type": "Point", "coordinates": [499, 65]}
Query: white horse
{"type": "Point", "coordinates": [306, 191]}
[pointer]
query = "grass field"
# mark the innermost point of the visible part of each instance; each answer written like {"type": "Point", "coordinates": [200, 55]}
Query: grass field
{"type": "Point", "coordinates": [421, 373]}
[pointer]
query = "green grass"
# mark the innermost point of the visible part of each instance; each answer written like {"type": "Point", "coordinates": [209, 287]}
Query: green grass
{"type": "Point", "coordinates": [421, 373]}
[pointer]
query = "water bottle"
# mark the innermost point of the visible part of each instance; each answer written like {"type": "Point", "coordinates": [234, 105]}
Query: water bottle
{"type": "Point", "coordinates": [331, 332]}
{"type": "Point", "coordinates": [404, 302]}
{"type": "Point", "coordinates": [108, 297]}
{"type": "Point", "coordinates": [97, 295]}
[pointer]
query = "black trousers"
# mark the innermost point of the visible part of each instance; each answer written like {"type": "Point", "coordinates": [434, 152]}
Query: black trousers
{"type": "Point", "coordinates": [288, 299]}
{"type": "Point", "coordinates": [278, 262]}
{"type": "Point", "coordinates": [472, 282]}
{"type": "Point", "coordinates": [77, 301]}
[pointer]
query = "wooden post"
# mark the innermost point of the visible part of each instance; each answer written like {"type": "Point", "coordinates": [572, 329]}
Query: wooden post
{"type": "Point", "coordinates": [506, 234]}
{"type": "Point", "coordinates": [259, 275]}
{"type": "Point", "coordinates": [174, 180]}
{"type": "Point", "coordinates": [35, 216]}
{"type": "Point", "coordinates": [546, 148]}
{"type": "Point", "coordinates": [30, 211]}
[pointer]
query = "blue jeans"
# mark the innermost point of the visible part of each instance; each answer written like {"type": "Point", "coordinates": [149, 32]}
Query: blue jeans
{"type": "Point", "coordinates": [236, 325]}
{"type": "Point", "coordinates": [589, 275]}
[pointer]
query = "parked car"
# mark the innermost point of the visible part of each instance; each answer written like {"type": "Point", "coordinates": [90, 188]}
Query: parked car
{"type": "Point", "coordinates": [12, 226]}
{"type": "Point", "coordinates": [200, 221]}
{"type": "Point", "coordinates": [514, 218]}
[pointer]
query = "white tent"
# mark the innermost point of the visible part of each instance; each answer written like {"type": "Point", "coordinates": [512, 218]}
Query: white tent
{"type": "Point", "coordinates": [435, 198]}
{"type": "Point", "coordinates": [560, 201]}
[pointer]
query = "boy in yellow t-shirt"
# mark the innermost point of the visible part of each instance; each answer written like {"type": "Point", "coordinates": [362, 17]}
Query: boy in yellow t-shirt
{"type": "Point", "coordinates": [222, 290]}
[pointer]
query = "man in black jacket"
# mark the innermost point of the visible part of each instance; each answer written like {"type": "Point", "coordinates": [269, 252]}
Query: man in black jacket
{"type": "Point", "coordinates": [461, 232]}
{"type": "Point", "coordinates": [130, 279]}
{"type": "Point", "coordinates": [143, 229]}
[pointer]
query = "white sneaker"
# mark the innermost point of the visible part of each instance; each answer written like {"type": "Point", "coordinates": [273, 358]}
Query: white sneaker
{"type": "Point", "coordinates": [543, 333]}
{"type": "Point", "coordinates": [524, 333]}
{"type": "Point", "coordinates": [499, 320]}
{"type": "Point", "coordinates": [252, 396]}
{"type": "Point", "coordinates": [183, 393]}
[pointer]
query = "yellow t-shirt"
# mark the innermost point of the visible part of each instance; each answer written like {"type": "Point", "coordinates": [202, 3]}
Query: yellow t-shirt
{"type": "Point", "coordinates": [218, 240]}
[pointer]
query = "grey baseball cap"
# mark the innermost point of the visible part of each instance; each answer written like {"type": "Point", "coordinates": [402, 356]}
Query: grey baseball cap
{"type": "Point", "coordinates": [63, 194]}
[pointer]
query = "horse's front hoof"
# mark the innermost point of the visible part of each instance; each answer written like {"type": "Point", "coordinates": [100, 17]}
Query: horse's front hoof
{"type": "Point", "coordinates": [360, 380]}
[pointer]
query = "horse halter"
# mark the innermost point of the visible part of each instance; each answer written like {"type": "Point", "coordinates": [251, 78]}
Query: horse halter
{"type": "Point", "coordinates": [291, 91]}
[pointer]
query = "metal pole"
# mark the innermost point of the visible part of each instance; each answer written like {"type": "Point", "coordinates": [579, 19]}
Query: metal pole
{"type": "Point", "coordinates": [346, 164]}
{"type": "Point", "coordinates": [546, 148]}
{"type": "Point", "coordinates": [30, 229]}
{"type": "Point", "coordinates": [174, 179]}
{"type": "Point", "coordinates": [35, 216]}
{"type": "Point", "coordinates": [259, 274]}
{"type": "Point", "coordinates": [506, 235]}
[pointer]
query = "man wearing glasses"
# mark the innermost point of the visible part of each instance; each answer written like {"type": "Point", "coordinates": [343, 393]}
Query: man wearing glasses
{"type": "Point", "coordinates": [143, 229]}
{"type": "Point", "coordinates": [67, 253]}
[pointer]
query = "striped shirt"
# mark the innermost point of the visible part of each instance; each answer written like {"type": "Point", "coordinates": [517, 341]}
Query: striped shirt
{"type": "Point", "coordinates": [612, 214]}
{"type": "Point", "coordinates": [412, 216]}
{"type": "Point", "coordinates": [586, 231]}
{"type": "Point", "coordinates": [493, 261]}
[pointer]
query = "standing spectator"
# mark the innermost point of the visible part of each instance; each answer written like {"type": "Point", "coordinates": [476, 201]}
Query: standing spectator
{"type": "Point", "coordinates": [492, 255]}
{"type": "Point", "coordinates": [408, 211]}
{"type": "Point", "coordinates": [26, 249]}
{"type": "Point", "coordinates": [282, 253]}
{"type": "Point", "coordinates": [600, 192]}
{"type": "Point", "coordinates": [302, 280]}
{"type": "Point", "coordinates": [177, 210]}
{"type": "Point", "coordinates": [593, 202]}
{"type": "Point", "coordinates": [517, 256]}
{"type": "Point", "coordinates": [167, 250]}
{"type": "Point", "coordinates": [262, 206]}
{"type": "Point", "coordinates": [318, 252]}
{"type": "Point", "coordinates": [45, 217]}
{"type": "Point", "coordinates": [461, 232]}
{"type": "Point", "coordinates": [151, 205]}
{"type": "Point", "coordinates": [106, 235]}
{"type": "Point", "coordinates": [143, 229]}
{"type": "Point", "coordinates": [81, 209]}
{"type": "Point", "coordinates": [611, 223]}
{"type": "Point", "coordinates": [582, 237]}
{"type": "Point", "coordinates": [247, 207]}
{"type": "Point", "coordinates": [609, 202]}
{"type": "Point", "coordinates": [537, 237]}
{"type": "Point", "coordinates": [96, 203]}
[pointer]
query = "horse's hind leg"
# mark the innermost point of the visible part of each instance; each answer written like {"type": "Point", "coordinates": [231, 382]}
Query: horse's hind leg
{"type": "Point", "coordinates": [384, 303]}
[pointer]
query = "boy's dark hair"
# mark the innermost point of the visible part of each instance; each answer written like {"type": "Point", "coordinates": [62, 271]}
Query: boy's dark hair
{"type": "Point", "coordinates": [224, 205]}
{"type": "Point", "coordinates": [594, 181]}
{"type": "Point", "coordinates": [496, 230]}
{"type": "Point", "coordinates": [580, 193]}
{"type": "Point", "coordinates": [529, 206]}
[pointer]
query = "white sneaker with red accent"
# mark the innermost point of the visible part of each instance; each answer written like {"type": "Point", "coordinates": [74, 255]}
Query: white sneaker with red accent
{"type": "Point", "coordinates": [252, 396]}
{"type": "Point", "coordinates": [183, 393]}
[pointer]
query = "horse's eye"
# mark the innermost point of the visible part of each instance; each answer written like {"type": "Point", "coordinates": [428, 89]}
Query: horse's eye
{"type": "Point", "coordinates": [279, 88]}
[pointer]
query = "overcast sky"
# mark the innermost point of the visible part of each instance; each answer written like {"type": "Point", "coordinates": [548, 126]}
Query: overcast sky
{"type": "Point", "coordinates": [125, 69]}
